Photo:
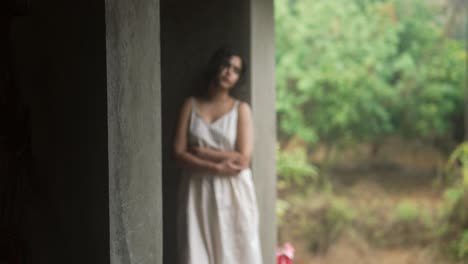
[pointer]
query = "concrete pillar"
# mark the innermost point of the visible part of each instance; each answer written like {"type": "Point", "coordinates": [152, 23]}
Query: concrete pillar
{"type": "Point", "coordinates": [134, 130]}
{"type": "Point", "coordinates": [262, 90]}
{"type": "Point", "coordinates": [90, 72]}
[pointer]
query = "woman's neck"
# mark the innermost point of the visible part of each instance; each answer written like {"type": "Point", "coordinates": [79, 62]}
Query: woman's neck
{"type": "Point", "coordinates": [217, 94]}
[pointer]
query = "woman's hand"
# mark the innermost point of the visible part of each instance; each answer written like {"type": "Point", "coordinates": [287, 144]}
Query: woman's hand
{"type": "Point", "coordinates": [219, 155]}
{"type": "Point", "coordinates": [229, 168]}
{"type": "Point", "coordinates": [240, 163]}
{"type": "Point", "coordinates": [228, 163]}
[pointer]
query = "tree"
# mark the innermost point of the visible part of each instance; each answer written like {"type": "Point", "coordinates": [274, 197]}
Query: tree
{"type": "Point", "coordinates": [359, 70]}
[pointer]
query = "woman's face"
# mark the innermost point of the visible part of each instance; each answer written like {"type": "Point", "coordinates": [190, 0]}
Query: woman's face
{"type": "Point", "coordinates": [230, 72]}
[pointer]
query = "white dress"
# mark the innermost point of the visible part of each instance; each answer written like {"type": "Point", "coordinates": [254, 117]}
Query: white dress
{"type": "Point", "coordinates": [218, 217]}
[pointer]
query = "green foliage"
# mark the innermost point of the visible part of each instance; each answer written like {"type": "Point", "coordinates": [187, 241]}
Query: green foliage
{"type": "Point", "coordinates": [458, 160]}
{"type": "Point", "coordinates": [407, 211]}
{"type": "Point", "coordinates": [404, 223]}
{"type": "Point", "coordinates": [453, 195]}
{"type": "Point", "coordinates": [293, 167]}
{"type": "Point", "coordinates": [432, 88]}
{"type": "Point", "coordinates": [328, 222]}
{"type": "Point", "coordinates": [462, 245]}
{"type": "Point", "coordinates": [282, 207]}
{"type": "Point", "coordinates": [358, 70]}
{"type": "Point", "coordinates": [454, 231]}
{"type": "Point", "coordinates": [341, 213]}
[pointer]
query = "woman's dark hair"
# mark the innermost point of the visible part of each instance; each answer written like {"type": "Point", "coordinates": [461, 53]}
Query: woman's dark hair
{"type": "Point", "coordinates": [219, 58]}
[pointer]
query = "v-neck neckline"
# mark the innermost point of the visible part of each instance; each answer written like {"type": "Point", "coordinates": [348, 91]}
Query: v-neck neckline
{"type": "Point", "coordinates": [197, 114]}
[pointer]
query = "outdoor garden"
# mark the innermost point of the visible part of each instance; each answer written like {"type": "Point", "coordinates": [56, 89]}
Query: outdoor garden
{"type": "Point", "coordinates": [371, 158]}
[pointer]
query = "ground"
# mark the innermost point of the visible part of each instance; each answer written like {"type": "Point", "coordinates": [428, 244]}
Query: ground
{"type": "Point", "coordinates": [393, 201]}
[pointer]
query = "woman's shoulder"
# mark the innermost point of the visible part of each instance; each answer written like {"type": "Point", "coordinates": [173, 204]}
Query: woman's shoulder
{"type": "Point", "coordinates": [190, 100]}
{"type": "Point", "coordinates": [243, 107]}
{"type": "Point", "coordinates": [193, 99]}
{"type": "Point", "coordinates": [241, 103]}
{"type": "Point", "coordinates": [187, 104]}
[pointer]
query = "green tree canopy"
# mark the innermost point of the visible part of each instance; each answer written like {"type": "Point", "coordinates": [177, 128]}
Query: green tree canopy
{"type": "Point", "coordinates": [358, 70]}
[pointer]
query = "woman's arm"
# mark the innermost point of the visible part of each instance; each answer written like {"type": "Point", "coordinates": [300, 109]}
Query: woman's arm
{"type": "Point", "coordinates": [186, 159]}
{"type": "Point", "coordinates": [217, 155]}
{"type": "Point", "coordinates": [244, 143]}
{"type": "Point", "coordinates": [245, 135]}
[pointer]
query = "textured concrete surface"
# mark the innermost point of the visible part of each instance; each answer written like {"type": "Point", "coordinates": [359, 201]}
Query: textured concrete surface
{"type": "Point", "coordinates": [264, 111]}
{"type": "Point", "coordinates": [90, 72]}
{"type": "Point", "coordinates": [133, 78]}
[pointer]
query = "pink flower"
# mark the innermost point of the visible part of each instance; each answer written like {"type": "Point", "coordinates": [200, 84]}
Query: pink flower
{"type": "Point", "coordinates": [285, 254]}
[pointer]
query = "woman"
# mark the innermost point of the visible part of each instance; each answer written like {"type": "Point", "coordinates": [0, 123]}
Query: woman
{"type": "Point", "coordinates": [213, 145]}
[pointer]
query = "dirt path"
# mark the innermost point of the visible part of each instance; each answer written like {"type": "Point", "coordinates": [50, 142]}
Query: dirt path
{"type": "Point", "coordinates": [380, 188]}
{"type": "Point", "coordinates": [348, 250]}
{"type": "Point", "coordinates": [381, 191]}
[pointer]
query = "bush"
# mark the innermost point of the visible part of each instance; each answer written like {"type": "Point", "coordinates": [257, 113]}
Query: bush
{"type": "Point", "coordinates": [462, 245]}
{"type": "Point", "coordinates": [407, 211]}
{"type": "Point", "coordinates": [293, 167]}
{"type": "Point", "coordinates": [458, 163]}
{"type": "Point", "coordinates": [323, 224]}
{"type": "Point", "coordinates": [455, 231]}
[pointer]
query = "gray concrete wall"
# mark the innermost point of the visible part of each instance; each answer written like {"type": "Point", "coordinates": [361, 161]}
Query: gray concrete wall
{"type": "Point", "coordinates": [262, 57]}
{"type": "Point", "coordinates": [133, 78]}
{"type": "Point", "coordinates": [90, 72]}
{"type": "Point", "coordinates": [190, 32]}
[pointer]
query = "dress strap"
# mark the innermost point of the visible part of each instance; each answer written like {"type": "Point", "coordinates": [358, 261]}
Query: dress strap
{"type": "Point", "coordinates": [194, 105]}
{"type": "Point", "coordinates": [236, 105]}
